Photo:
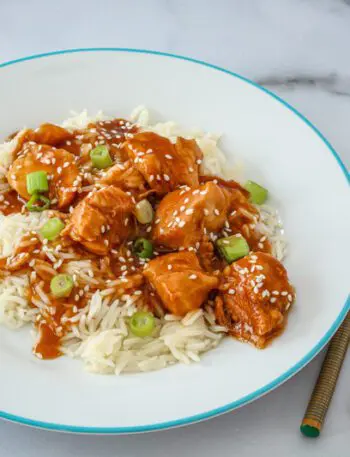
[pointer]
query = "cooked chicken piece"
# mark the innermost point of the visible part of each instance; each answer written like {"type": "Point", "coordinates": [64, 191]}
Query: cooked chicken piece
{"type": "Point", "coordinates": [164, 165]}
{"type": "Point", "coordinates": [101, 220]}
{"type": "Point", "coordinates": [179, 281]}
{"type": "Point", "coordinates": [125, 176]}
{"type": "Point", "coordinates": [184, 216]}
{"type": "Point", "coordinates": [254, 296]}
{"type": "Point", "coordinates": [58, 164]}
{"type": "Point", "coordinates": [50, 134]}
{"type": "Point", "coordinates": [113, 132]}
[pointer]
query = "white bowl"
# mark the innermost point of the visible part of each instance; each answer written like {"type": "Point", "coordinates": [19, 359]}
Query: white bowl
{"type": "Point", "coordinates": [281, 149]}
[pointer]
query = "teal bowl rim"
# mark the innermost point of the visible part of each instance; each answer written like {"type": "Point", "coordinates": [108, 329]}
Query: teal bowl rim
{"type": "Point", "coordinates": [252, 396]}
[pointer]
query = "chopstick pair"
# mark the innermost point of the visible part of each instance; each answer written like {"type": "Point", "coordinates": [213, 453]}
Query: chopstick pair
{"type": "Point", "coordinates": [323, 391]}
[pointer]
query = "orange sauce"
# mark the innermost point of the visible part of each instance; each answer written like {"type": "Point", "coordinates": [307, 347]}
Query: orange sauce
{"type": "Point", "coordinates": [12, 203]}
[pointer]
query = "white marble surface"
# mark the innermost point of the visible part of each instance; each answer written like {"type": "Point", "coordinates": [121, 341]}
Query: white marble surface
{"type": "Point", "coordinates": [299, 49]}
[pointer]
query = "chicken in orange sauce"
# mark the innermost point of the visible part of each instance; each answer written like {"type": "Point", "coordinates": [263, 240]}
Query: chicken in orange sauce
{"type": "Point", "coordinates": [125, 176]}
{"type": "Point", "coordinates": [254, 297]}
{"type": "Point", "coordinates": [165, 166]}
{"type": "Point", "coordinates": [61, 169]}
{"type": "Point", "coordinates": [185, 215]}
{"type": "Point", "coordinates": [180, 282]}
{"type": "Point", "coordinates": [102, 220]}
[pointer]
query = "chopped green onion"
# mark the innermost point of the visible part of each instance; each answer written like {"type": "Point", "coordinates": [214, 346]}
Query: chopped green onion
{"type": "Point", "coordinates": [38, 203]}
{"type": "Point", "coordinates": [61, 285]}
{"type": "Point", "coordinates": [100, 157]}
{"type": "Point", "coordinates": [52, 228]}
{"type": "Point", "coordinates": [258, 194]}
{"type": "Point", "coordinates": [37, 182]}
{"type": "Point", "coordinates": [143, 248]}
{"type": "Point", "coordinates": [141, 324]}
{"type": "Point", "coordinates": [233, 247]}
{"type": "Point", "coordinates": [144, 212]}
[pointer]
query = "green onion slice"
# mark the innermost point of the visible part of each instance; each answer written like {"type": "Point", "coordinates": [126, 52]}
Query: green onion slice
{"type": "Point", "coordinates": [52, 228]}
{"type": "Point", "coordinates": [37, 182]}
{"type": "Point", "coordinates": [258, 194]}
{"type": "Point", "coordinates": [61, 285]}
{"type": "Point", "coordinates": [38, 203]}
{"type": "Point", "coordinates": [143, 248]}
{"type": "Point", "coordinates": [233, 247]}
{"type": "Point", "coordinates": [100, 157]}
{"type": "Point", "coordinates": [144, 212]}
{"type": "Point", "coordinates": [141, 324]}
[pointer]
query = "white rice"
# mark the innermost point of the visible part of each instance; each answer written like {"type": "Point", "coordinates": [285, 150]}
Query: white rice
{"type": "Point", "coordinates": [81, 120]}
{"type": "Point", "coordinates": [102, 339]}
{"type": "Point", "coordinates": [14, 226]}
{"type": "Point", "coordinates": [6, 152]}
{"type": "Point", "coordinates": [100, 335]}
{"type": "Point", "coordinates": [14, 308]}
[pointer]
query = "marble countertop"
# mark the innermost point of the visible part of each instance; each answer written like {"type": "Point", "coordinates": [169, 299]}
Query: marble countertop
{"type": "Point", "coordinates": [298, 49]}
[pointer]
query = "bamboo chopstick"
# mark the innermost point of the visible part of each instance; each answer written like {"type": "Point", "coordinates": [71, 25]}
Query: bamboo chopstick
{"type": "Point", "coordinates": [326, 382]}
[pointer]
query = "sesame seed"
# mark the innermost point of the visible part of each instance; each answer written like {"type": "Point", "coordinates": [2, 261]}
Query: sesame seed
{"type": "Point", "coordinates": [166, 177]}
{"type": "Point", "coordinates": [168, 156]}
{"type": "Point", "coordinates": [231, 291]}
{"type": "Point", "coordinates": [198, 161]}
{"type": "Point", "coordinates": [193, 277]}
{"type": "Point", "coordinates": [217, 212]}
{"type": "Point", "coordinates": [182, 208]}
{"type": "Point", "coordinates": [121, 259]}
{"type": "Point", "coordinates": [137, 292]}
{"type": "Point", "coordinates": [284, 293]}
{"type": "Point", "coordinates": [260, 245]}
{"type": "Point", "coordinates": [290, 298]}
{"type": "Point", "coordinates": [206, 212]}
{"type": "Point", "coordinates": [189, 211]}
{"type": "Point", "coordinates": [190, 169]}
{"type": "Point", "coordinates": [170, 267]}
{"type": "Point", "coordinates": [175, 213]}
{"type": "Point", "coordinates": [195, 192]}
{"type": "Point", "coordinates": [273, 299]}
{"type": "Point", "coordinates": [275, 292]}
{"type": "Point", "coordinates": [182, 224]}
